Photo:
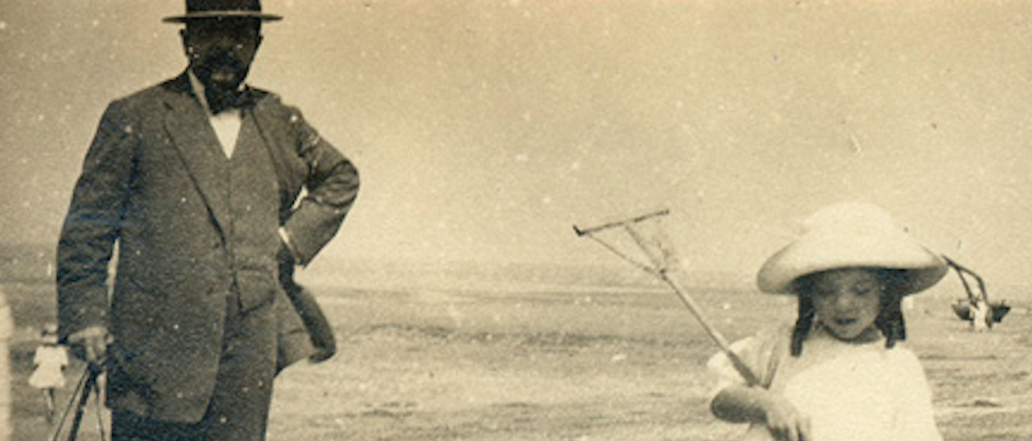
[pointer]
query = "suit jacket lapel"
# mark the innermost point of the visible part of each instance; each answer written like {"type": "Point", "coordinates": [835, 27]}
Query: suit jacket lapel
{"type": "Point", "coordinates": [289, 172]}
{"type": "Point", "coordinates": [198, 147]}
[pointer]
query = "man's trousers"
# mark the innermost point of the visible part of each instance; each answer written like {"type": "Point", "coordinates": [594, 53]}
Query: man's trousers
{"type": "Point", "coordinates": [239, 407]}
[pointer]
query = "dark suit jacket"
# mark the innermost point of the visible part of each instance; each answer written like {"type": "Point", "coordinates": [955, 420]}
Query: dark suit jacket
{"type": "Point", "coordinates": [148, 182]}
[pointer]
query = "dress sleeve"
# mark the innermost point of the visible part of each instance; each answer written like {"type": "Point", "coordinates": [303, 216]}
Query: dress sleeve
{"type": "Point", "coordinates": [916, 418]}
{"type": "Point", "coordinates": [757, 352]}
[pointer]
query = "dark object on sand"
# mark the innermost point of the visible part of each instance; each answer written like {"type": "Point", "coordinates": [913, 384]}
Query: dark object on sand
{"type": "Point", "coordinates": [964, 307]}
{"type": "Point", "coordinates": [320, 331]}
{"type": "Point", "coordinates": [318, 326]}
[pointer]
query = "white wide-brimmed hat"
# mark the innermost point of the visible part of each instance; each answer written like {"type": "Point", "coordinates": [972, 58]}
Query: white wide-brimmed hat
{"type": "Point", "coordinates": [852, 235]}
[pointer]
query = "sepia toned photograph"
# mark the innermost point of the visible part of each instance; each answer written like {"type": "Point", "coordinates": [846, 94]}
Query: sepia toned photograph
{"type": "Point", "coordinates": [501, 220]}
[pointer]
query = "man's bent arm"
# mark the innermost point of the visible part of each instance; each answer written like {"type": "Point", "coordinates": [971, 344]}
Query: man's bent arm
{"type": "Point", "coordinates": [332, 185]}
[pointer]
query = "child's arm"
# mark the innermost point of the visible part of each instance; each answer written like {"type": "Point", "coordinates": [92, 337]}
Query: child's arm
{"type": "Point", "coordinates": [742, 404]}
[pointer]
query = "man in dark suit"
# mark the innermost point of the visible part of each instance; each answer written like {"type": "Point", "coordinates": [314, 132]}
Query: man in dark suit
{"type": "Point", "coordinates": [196, 180]}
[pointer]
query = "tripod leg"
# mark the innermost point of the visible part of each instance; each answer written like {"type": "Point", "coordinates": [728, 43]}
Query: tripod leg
{"type": "Point", "coordinates": [98, 409]}
{"type": "Point", "coordinates": [91, 381]}
{"type": "Point", "coordinates": [71, 402]}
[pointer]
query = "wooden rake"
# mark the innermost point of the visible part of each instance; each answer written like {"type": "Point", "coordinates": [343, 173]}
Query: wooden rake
{"type": "Point", "coordinates": [657, 266]}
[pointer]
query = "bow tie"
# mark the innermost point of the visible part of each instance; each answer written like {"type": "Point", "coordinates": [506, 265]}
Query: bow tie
{"type": "Point", "coordinates": [220, 102]}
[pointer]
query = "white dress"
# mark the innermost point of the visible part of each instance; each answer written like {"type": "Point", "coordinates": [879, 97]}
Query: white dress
{"type": "Point", "coordinates": [851, 392]}
{"type": "Point", "coordinates": [980, 316]}
{"type": "Point", "coordinates": [50, 362]}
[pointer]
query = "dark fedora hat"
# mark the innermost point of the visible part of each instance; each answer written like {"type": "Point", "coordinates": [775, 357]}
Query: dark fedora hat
{"type": "Point", "coordinates": [206, 9]}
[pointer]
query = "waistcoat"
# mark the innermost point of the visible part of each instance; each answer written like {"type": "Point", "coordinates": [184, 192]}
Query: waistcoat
{"type": "Point", "coordinates": [252, 192]}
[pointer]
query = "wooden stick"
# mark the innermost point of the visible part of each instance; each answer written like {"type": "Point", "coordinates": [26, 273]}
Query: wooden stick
{"type": "Point", "coordinates": [617, 223]}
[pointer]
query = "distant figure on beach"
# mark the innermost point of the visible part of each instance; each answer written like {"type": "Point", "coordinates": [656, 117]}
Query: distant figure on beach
{"type": "Point", "coordinates": [50, 360]}
{"type": "Point", "coordinates": [981, 315]}
{"type": "Point", "coordinates": [197, 180]}
{"type": "Point", "coordinates": [841, 372]}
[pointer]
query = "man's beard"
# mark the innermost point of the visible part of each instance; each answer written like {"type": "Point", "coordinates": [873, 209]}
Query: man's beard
{"type": "Point", "coordinates": [221, 73]}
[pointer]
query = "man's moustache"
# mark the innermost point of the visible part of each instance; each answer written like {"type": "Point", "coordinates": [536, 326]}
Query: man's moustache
{"type": "Point", "coordinates": [219, 62]}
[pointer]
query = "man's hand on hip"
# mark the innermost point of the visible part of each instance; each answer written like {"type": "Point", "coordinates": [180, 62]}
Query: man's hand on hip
{"type": "Point", "coordinates": [90, 344]}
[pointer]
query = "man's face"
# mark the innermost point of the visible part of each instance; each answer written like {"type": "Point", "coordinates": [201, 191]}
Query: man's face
{"type": "Point", "coordinates": [221, 50]}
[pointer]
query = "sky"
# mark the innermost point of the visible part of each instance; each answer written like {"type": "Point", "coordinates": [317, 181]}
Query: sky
{"type": "Point", "coordinates": [484, 130]}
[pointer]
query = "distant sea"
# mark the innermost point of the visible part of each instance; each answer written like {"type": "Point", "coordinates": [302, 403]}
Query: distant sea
{"type": "Point", "coordinates": [27, 262]}
{"type": "Point", "coordinates": [34, 263]}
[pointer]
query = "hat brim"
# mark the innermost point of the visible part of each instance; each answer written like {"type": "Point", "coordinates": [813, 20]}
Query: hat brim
{"type": "Point", "coordinates": [221, 14]}
{"type": "Point", "coordinates": [818, 252]}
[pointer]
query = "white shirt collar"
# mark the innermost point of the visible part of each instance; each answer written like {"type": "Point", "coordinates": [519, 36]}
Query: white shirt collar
{"type": "Point", "coordinates": [226, 124]}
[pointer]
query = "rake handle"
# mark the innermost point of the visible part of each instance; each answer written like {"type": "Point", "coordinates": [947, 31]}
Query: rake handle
{"type": "Point", "coordinates": [736, 361]}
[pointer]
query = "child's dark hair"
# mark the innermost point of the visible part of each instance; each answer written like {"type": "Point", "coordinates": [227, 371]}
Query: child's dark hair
{"type": "Point", "coordinates": [890, 315]}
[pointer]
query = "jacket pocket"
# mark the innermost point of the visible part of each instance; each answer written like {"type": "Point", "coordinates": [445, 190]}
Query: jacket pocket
{"type": "Point", "coordinates": [258, 287]}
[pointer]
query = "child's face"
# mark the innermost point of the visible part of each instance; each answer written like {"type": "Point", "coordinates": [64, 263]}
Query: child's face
{"type": "Point", "coordinates": [847, 301]}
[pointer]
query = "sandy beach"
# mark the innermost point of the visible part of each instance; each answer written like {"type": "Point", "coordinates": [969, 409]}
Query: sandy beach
{"type": "Point", "coordinates": [534, 361]}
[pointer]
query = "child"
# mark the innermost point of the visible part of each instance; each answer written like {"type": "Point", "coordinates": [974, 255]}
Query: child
{"type": "Point", "coordinates": [50, 361]}
{"type": "Point", "coordinates": [980, 319]}
{"type": "Point", "coordinates": [840, 373]}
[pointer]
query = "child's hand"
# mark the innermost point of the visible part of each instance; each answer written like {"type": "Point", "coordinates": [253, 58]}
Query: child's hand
{"type": "Point", "coordinates": [784, 421]}
{"type": "Point", "coordinates": [757, 405]}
